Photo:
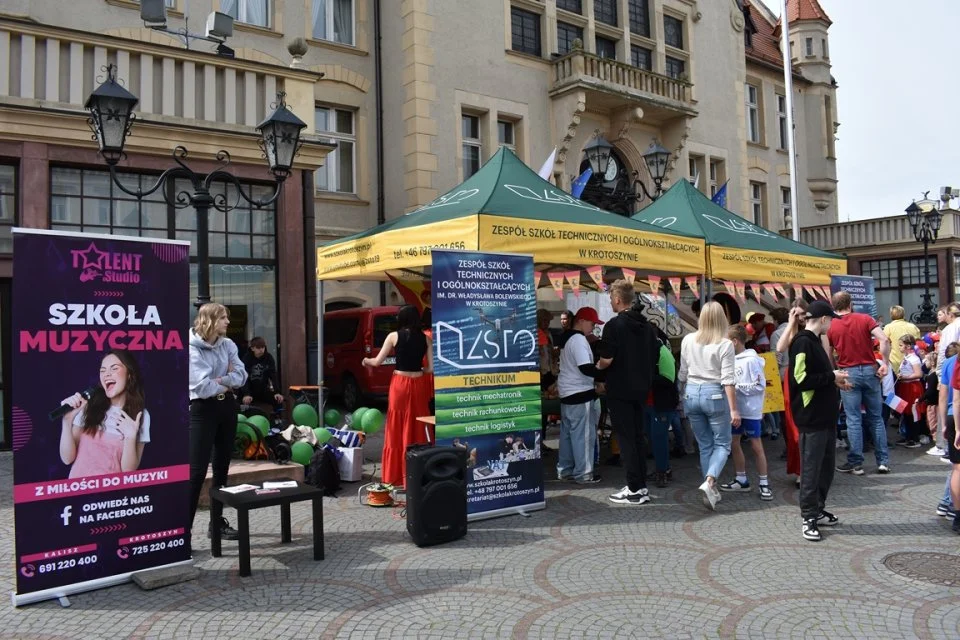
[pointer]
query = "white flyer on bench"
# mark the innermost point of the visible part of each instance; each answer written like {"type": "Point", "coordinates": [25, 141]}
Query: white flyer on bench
{"type": "Point", "coordinates": [240, 488]}
{"type": "Point", "coordinates": [280, 484]}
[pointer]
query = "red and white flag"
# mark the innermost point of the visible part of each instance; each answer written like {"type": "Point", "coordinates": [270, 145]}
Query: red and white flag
{"type": "Point", "coordinates": [692, 283]}
{"type": "Point", "coordinates": [771, 291]}
{"type": "Point", "coordinates": [731, 288]}
{"type": "Point", "coordinates": [797, 291]}
{"type": "Point", "coordinates": [556, 281]}
{"type": "Point", "coordinates": [629, 274]}
{"type": "Point", "coordinates": [654, 285]}
{"type": "Point", "coordinates": [781, 290]}
{"type": "Point", "coordinates": [596, 273]}
{"type": "Point", "coordinates": [742, 291]}
{"type": "Point", "coordinates": [573, 277]}
{"type": "Point", "coordinates": [675, 285]}
{"type": "Point", "coordinates": [536, 279]}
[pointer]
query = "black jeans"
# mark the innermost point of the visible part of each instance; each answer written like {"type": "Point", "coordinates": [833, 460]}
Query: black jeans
{"type": "Point", "coordinates": [628, 422]}
{"type": "Point", "coordinates": [213, 427]}
{"type": "Point", "coordinates": [818, 457]}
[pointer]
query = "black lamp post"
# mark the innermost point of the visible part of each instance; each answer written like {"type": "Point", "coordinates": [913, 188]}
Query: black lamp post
{"type": "Point", "coordinates": [598, 154]}
{"type": "Point", "coordinates": [111, 117]}
{"type": "Point", "coordinates": [926, 226]}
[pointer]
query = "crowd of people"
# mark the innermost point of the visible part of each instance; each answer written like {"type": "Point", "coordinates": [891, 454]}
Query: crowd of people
{"type": "Point", "coordinates": [843, 376]}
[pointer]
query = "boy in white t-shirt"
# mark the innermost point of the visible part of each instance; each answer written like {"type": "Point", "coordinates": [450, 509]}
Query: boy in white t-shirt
{"type": "Point", "coordinates": [751, 389]}
{"type": "Point", "coordinates": [579, 407]}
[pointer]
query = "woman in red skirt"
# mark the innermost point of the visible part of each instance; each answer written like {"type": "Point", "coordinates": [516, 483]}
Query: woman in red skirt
{"type": "Point", "coordinates": [910, 388]}
{"type": "Point", "coordinates": [410, 393]}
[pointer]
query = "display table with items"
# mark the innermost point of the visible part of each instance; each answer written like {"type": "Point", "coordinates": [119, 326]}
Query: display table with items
{"type": "Point", "coordinates": [244, 498]}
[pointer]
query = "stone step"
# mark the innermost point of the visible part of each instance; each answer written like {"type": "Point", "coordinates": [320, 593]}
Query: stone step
{"type": "Point", "coordinates": [252, 472]}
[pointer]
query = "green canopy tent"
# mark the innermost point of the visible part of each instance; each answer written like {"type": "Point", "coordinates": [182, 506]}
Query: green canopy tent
{"type": "Point", "coordinates": [736, 248]}
{"type": "Point", "coordinates": [507, 207]}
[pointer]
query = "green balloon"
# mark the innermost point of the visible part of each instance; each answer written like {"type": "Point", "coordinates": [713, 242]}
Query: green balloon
{"type": "Point", "coordinates": [331, 417]}
{"type": "Point", "coordinates": [323, 435]}
{"type": "Point", "coordinates": [244, 438]}
{"type": "Point", "coordinates": [241, 419]}
{"type": "Point", "coordinates": [357, 418]}
{"type": "Point", "coordinates": [301, 452]}
{"type": "Point", "coordinates": [305, 415]}
{"type": "Point", "coordinates": [261, 423]}
{"type": "Point", "coordinates": [372, 421]}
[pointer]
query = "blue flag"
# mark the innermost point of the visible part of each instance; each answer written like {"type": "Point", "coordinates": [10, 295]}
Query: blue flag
{"type": "Point", "coordinates": [576, 189]}
{"type": "Point", "coordinates": [720, 197]}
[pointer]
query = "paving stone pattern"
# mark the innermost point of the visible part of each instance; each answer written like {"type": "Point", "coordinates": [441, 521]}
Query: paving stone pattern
{"type": "Point", "coordinates": [583, 568]}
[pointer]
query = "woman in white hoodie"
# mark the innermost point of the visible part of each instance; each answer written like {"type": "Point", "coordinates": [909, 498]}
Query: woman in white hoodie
{"type": "Point", "coordinates": [751, 390]}
{"type": "Point", "coordinates": [216, 371]}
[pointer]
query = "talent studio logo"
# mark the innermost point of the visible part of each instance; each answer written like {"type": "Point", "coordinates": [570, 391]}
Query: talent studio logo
{"type": "Point", "coordinates": [107, 266]}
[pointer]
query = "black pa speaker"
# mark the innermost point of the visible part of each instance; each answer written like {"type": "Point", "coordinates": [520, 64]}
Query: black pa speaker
{"type": "Point", "coordinates": [436, 494]}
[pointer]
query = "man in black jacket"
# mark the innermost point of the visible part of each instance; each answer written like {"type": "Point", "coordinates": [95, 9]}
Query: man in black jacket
{"type": "Point", "coordinates": [630, 352]}
{"type": "Point", "coordinates": [263, 384]}
{"type": "Point", "coordinates": [815, 403]}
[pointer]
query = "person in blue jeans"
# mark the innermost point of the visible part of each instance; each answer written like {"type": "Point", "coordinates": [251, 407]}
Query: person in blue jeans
{"type": "Point", "coordinates": [663, 397]}
{"type": "Point", "coordinates": [851, 335]}
{"type": "Point", "coordinates": [707, 372]}
{"type": "Point", "coordinates": [945, 416]}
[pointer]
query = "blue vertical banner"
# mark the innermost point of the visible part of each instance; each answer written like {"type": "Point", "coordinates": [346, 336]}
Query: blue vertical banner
{"type": "Point", "coordinates": [487, 376]}
{"type": "Point", "coordinates": [862, 290]}
{"type": "Point", "coordinates": [100, 409]}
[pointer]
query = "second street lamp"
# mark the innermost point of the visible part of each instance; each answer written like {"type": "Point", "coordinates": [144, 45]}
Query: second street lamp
{"type": "Point", "coordinates": [111, 118]}
{"type": "Point", "coordinates": [926, 227]}
{"type": "Point", "coordinates": [624, 193]}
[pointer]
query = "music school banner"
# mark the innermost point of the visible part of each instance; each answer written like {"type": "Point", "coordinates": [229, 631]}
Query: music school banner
{"type": "Point", "coordinates": [487, 376]}
{"type": "Point", "coordinates": [100, 409]}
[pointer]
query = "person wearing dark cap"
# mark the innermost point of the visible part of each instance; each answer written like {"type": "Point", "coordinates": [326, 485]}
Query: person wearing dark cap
{"type": "Point", "coordinates": [815, 404]}
{"type": "Point", "coordinates": [579, 408]}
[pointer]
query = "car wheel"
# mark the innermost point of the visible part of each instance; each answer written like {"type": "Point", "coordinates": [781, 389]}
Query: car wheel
{"type": "Point", "coordinates": [351, 393]}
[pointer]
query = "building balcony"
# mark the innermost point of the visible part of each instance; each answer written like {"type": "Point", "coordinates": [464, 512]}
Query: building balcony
{"type": "Point", "coordinates": [610, 85]}
{"type": "Point", "coordinates": [865, 236]}
{"type": "Point", "coordinates": [212, 100]}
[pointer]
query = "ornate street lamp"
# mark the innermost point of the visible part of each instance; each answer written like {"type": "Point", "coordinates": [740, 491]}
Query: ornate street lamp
{"type": "Point", "coordinates": [620, 198]}
{"type": "Point", "coordinates": [926, 226]}
{"type": "Point", "coordinates": [111, 117]}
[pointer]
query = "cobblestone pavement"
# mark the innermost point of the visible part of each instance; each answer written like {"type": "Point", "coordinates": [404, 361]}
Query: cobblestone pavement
{"type": "Point", "coordinates": [583, 568]}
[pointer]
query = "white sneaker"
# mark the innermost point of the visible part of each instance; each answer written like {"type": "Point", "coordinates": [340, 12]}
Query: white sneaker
{"type": "Point", "coordinates": [936, 451]}
{"type": "Point", "coordinates": [625, 496]}
{"type": "Point", "coordinates": [710, 496]}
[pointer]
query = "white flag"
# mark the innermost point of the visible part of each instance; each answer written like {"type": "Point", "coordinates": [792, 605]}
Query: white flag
{"type": "Point", "coordinates": [546, 171]}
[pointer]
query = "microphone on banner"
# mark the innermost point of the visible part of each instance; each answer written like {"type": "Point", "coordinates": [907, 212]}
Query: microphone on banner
{"type": "Point", "coordinates": [64, 409]}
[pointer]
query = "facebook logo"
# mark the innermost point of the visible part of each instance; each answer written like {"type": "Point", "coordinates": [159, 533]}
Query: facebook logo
{"type": "Point", "coordinates": [65, 515]}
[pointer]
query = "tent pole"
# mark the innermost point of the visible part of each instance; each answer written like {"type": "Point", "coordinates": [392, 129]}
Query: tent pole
{"type": "Point", "coordinates": [319, 344]}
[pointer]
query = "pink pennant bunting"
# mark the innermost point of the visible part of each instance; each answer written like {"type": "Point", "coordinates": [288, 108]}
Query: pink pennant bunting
{"type": "Point", "coordinates": [742, 291]}
{"type": "Point", "coordinates": [692, 283]}
{"type": "Point", "coordinates": [755, 289]}
{"type": "Point", "coordinates": [797, 291]}
{"type": "Point", "coordinates": [827, 295]}
{"type": "Point", "coordinates": [675, 284]}
{"type": "Point", "coordinates": [536, 279]}
{"type": "Point", "coordinates": [629, 274]}
{"type": "Point", "coordinates": [813, 291]}
{"type": "Point", "coordinates": [731, 288]}
{"type": "Point", "coordinates": [597, 274]}
{"type": "Point", "coordinates": [781, 290]}
{"type": "Point", "coordinates": [654, 285]}
{"type": "Point", "coordinates": [556, 281]}
{"type": "Point", "coordinates": [771, 291]}
{"type": "Point", "coordinates": [573, 277]}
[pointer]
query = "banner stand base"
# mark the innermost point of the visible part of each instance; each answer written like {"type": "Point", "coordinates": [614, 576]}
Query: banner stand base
{"type": "Point", "coordinates": [522, 510]}
{"type": "Point", "coordinates": [61, 593]}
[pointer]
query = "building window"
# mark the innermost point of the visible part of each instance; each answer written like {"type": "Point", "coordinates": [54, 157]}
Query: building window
{"type": "Point", "coordinates": [641, 57]}
{"type": "Point", "coordinates": [505, 134]}
{"type": "Point", "coordinates": [333, 20]}
{"type": "Point", "coordinates": [245, 233]}
{"type": "Point", "coordinates": [605, 11]}
{"type": "Point", "coordinates": [716, 176]}
{"type": "Point", "coordinates": [525, 29]}
{"type": "Point", "coordinates": [823, 47]}
{"type": "Point", "coordinates": [8, 206]}
{"type": "Point", "coordinates": [782, 121]}
{"type": "Point", "coordinates": [566, 34]}
{"type": "Point", "coordinates": [756, 203]}
{"type": "Point", "coordinates": [606, 48]}
{"type": "Point", "coordinates": [675, 68]}
{"type": "Point", "coordinates": [808, 46]}
{"type": "Point", "coordinates": [88, 200]}
{"type": "Point", "coordinates": [339, 171]}
{"type": "Point", "coordinates": [748, 38]}
{"type": "Point", "coordinates": [902, 281]}
{"type": "Point", "coordinates": [753, 114]}
{"type": "Point", "coordinates": [470, 135]}
{"type": "Point", "coordinates": [573, 6]}
{"type": "Point", "coordinates": [828, 115]}
{"type": "Point", "coordinates": [692, 171]}
{"type": "Point", "coordinates": [673, 31]}
{"type": "Point", "coordinates": [785, 204]}
{"type": "Point", "coordinates": [255, 12]}
{"type": "Point", "coordinates": [639, 17]}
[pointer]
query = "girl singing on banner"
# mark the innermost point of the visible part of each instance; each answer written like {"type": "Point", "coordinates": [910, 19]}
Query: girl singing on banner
{"type": "Point", "coordinates": [107, 433]}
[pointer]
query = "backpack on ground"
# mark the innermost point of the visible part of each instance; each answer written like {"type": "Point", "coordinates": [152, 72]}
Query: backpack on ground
{"type": "Point", "coordinates": [323, 471]}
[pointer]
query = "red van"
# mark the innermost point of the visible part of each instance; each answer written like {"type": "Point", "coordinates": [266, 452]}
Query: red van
{"type": "Point", "coordinates": [349, 336]}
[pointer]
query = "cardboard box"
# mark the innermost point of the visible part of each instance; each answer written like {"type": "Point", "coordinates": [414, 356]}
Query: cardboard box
{"type": "Point", "coordinates": [351, 464]}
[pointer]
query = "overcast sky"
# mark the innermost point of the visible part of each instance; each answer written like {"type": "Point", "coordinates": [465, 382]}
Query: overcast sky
{"type": "Point", "coordinates": [896, 64]}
